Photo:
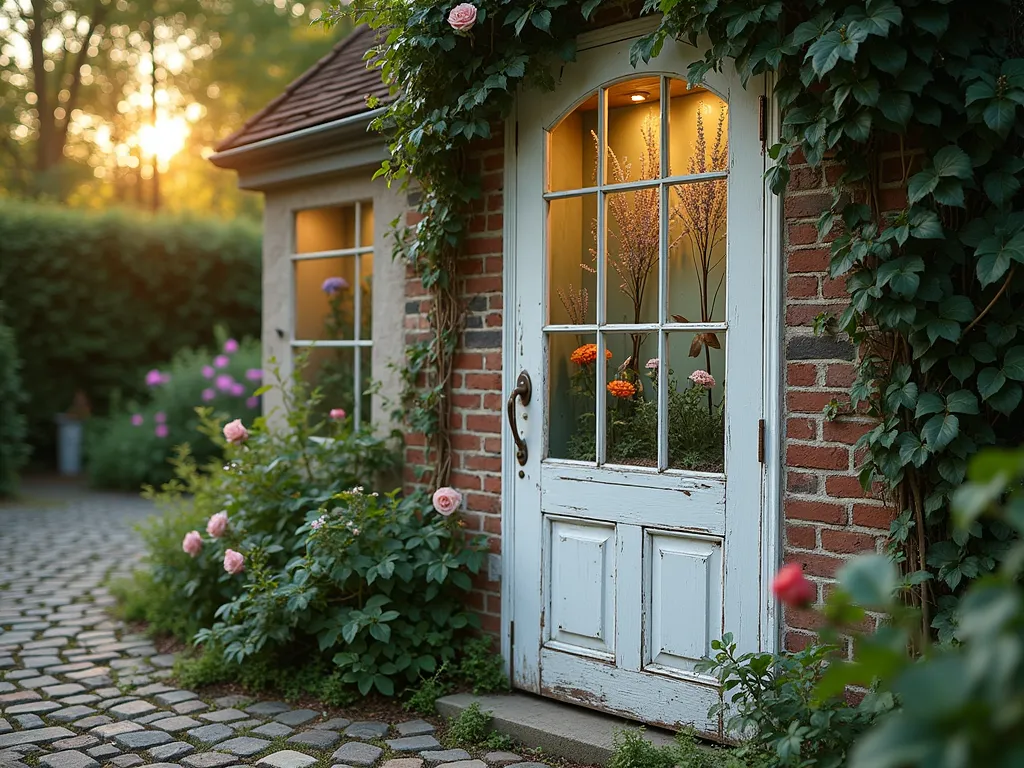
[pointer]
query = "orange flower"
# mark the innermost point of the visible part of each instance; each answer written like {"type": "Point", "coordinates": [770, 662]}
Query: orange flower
{"type": "Point", "coordinates": [620, 388]}
{"type": "Point", "coordinates": [587, 354]}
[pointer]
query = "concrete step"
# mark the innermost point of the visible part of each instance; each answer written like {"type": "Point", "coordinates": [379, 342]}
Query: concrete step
{"type": "Point", "coordinates": [563, 730]}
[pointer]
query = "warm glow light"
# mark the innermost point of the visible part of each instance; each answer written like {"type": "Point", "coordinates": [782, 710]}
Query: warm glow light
{"type": "Point", "coordinates": [165, 139]}
{"type": "Point", "coordinates": [638, 96]}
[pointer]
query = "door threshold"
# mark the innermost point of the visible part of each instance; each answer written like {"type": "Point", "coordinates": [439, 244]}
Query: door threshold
{"type": "Point", "coordinates": [564, 730]}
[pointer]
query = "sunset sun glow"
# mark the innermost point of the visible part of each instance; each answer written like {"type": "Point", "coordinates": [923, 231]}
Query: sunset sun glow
{"type": "Point", "coordinates": [164, 139]}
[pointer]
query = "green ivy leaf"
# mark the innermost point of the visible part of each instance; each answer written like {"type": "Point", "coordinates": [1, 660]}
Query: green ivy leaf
{"type": "Point", "coordinates": [1001, 186]}
{"type": "Point", "coordinates": [961, 366]}
{"type": "Point", "coordinates": [999, 115]}
{"type": "Point", "coordinates": [1013, 364]}
{"type": "Point", "coordinates": [1007, 399]}
{"type": "Point", "coordinates": [869, 580]}
{"type": "Point", "coordinates": [589, 6]}
{"type": "Point", "coordinates": [896, 107]}
{"type": "Point", "coordinates": [541, 20]}
{"type": "Point", "coordinates": [990, 381]}
{"type": "Point", "coordinates": [929, 403]}
{"type": "Point", "coordinates": [940, 430]}
{"type": "Point", "coordinates": [962, 401]}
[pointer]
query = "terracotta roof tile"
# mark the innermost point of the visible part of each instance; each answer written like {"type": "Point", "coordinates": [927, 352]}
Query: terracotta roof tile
{"type": "Point", "coordinates": [333, 88]}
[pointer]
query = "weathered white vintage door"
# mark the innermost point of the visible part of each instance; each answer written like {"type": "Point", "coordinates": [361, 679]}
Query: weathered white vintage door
{"type": "Point", "coordinates": [637, 305]}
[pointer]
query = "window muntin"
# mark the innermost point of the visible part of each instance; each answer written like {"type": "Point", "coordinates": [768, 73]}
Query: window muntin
{"type": "Point", "coordinates": [332, 328]}
{"type": "Point", "coordinates": [636, 195]}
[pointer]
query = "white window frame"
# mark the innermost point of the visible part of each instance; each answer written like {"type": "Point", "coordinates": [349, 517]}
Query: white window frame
{"type": "Point", "coordinates": [356, 343]}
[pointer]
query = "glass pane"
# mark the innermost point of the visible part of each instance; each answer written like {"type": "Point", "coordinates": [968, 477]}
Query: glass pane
{"type": "Point", "coordinates": [324, 302]}
{"type": "Point", "coordinates": [633, 237]}
{"type": "Point", "coordinates": [366, 384]}
{"type": "Point", "coordinates": [697, 252]}
{"type": "Point", "coordinates": [572, 245]}
{"type": "Point", "coordinates": [696, 401]}
{"type": "Point", "coordinates": [333, 370]}
{"type": "Point", "coordinates": [366, 297]}
{"type": "Point", "coordinates": [366, 224]}
{"type": "Point", "coordinates": [572, 385]}
{"type": "Point", "coordinates": [634, 131]}
{"type": "Point", "coordinates": [698, 130]}
{"type": "Point", "coordinates": [325, 229]}
{"type": "Point", "coordinates": [632, 401]}
{"type": "Point", "coordinates": [571, 149]}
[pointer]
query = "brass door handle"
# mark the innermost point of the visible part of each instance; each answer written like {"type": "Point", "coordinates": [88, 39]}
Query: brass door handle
{"type": "Point", "coordinates": [523, 390]}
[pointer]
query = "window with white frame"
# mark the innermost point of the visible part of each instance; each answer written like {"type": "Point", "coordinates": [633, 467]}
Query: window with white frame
{"type": "Point", "coordinates": [332, 304]}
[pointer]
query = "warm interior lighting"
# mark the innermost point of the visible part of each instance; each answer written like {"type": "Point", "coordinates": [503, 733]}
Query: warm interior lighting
{"type": "Point", "coordinates": [639, 96]}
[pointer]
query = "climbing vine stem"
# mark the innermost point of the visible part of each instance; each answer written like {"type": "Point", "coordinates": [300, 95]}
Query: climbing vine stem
{"type": "Point", "coordinates": [917, 103]}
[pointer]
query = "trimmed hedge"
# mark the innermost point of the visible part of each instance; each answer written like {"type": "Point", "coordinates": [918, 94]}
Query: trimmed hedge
{"type": "Point", "coordinates": [12, 423]}
{"type": "Point", "coordinates": [97, 298]}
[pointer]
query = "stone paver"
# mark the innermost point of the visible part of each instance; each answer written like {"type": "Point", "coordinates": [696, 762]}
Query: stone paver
{"type": "Point", "coordinates": [78, 689]}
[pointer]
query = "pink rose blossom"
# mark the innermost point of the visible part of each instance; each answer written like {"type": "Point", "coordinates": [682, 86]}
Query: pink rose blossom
{"type": "Point", "coordinates": [208, 371]}
{"type": "Point", "coordinates": [217, 524]}
{"type": "Point", "coordinates": [652, 364]}
{"type": "Point", "coordinates": [209, 394]}
{"type": "Point", "coordinates": [254, 374]}
{"type": "Point", "coordinates": [702, 379]}
{"type": "Point", "coordinates": [231, 346]}
{"type": "Point", "coordinates": [792, 588]}
{"type": "Point", "coordinates": [252, 402]}
{"type": "Point", "coordinates": [235, 432]}
{"type": "Point", "coordinates": [234, 562]}
{"type": "Point", "coordinates": [224, 382]}
{"type": "Point", "coordinates": [462, 17]}
{"type": "Point", "coordinates": [137, 419]}
{"type": "Point", "coordinates": [161, 430]}
{"type": "Point", "coordinates": [237, 389]}
{"type": "Point", "coordinates": [337, 413]}
{"type": "Point", "coordinates": [221, 361]}
{"type": "Point", "coordinates": [447, 500]}
{"type": "Point", "coordinates": [160, 417]}
{"type": "Point", "coordinates": [154, 378]}
{"type": "Point", "coordinates": [192, 543]}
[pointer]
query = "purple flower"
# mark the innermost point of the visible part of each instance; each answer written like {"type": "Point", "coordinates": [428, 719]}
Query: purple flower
{"type": "Point", "coordinates": [254, 374]}
{"type": "Point", "coordinates": [161, 430]}
{"type": "Point", "coordinates": [154, 378]}
{"type": "Point", "coordinates": [252, 402]}
{"type": "Point", "coordinates": [208, 394]}
{"type": "Point", "coordinates": [231, 346]}
{"type": "Point", "coordinates": [137, 419]}
{"type": "Point", "coordinates": [332, 285]}
{"type": "Point", "coordinates": [208, 372]}
{"type": "Point", "coordinates": [160, 417]}
{"type": "Point", "coordinates": [237, 389]}
{"type": "Point", "coordinates": [224, 382]}
{"type": "Point", "coordinates": [221, 361]}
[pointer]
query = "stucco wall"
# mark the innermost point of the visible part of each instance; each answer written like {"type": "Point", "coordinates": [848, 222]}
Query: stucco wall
{"type": "Point", "coordinates": [388, 280]}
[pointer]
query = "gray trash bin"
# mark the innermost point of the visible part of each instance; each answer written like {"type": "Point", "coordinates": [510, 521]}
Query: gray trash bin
{"type": "Point", "coordinates": [69, 445]}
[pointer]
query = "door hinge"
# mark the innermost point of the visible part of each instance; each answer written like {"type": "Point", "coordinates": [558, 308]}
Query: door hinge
{"type": "Point", "coordinates": [760, 440]}
{"type": "Point", "coordinates": [762, 121]}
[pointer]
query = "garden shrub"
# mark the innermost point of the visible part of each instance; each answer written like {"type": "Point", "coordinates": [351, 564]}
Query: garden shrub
{"type": "Point", "coordinates": [133, 444]}
{"type": "Point", "coordinates": [12, 422]}
{"type": "Point", "coordinates": [100, 297]}
{"type": "Point", "coordinates": [632, 750]}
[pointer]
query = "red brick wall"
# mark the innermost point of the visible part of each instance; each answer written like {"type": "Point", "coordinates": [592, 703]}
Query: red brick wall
{"type": "Point", "coordinates": [827, 517]}
{"type": "Point", "coordinates": [476, 420]}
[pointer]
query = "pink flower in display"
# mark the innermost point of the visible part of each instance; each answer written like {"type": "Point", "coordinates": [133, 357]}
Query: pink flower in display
{"type": "Point", "coordinates": [217, 524]}
{"type": "Point", "coordinates": [237, 389]}
{"type": "Point", "coordinates": [208, 372]}
{"type": "Point", "coordinates": [154, 378]}
{"type": "Point", "coordinates": [334, 285]}
{"type": "Point", "coordinates": [702, 379]}
{"type": "Point", "coordinates": [252, 402]}
{"type": "Point", "coordinates": [234, 562]}
{"type": "Point", "coordinates": [792, 588]}
{"type": "Point", "coordinates": [235, 432]}
{"type": "Point", "coordinates": [337, 414]}
{"type": "Point", "coordinates": [224, 382]}
{"type": "Point", "coordinates": [221, 361]}
{"type": "Point", "coordinates": [319, 523]}
{"type": "Point", "coordinates": [160, 417]}
{"type": "Point", "coordinates": [652, 364]}
{"type": "Point", "coordinates": [137, 419]}
{"type": "Point", "coordinates": [208, 394]}
{"type": "Point", "coordinates": [192, 543]}
{"type": "Point", "coordinates": [462, 17]}
{"type": "Point", "coordinates": [254, 374]}
{"type": "Point", "coordinates": [161, 430]}
{"type": "Point", "coordinates": [231, 346]}
{"type": "Point", "coordinates": [447, 500]}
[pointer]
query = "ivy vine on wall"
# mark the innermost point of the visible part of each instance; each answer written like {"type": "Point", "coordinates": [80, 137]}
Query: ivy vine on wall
{"type": "Point", "coordinates": [935, 288]}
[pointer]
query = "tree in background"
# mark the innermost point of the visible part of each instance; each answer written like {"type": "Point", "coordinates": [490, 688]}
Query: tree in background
{"type": "Point", "coordinates": [77, 81]}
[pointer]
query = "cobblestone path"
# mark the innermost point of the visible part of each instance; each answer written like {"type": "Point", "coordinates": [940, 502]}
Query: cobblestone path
{"type": "Point", "coordinates": [78, 690]}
